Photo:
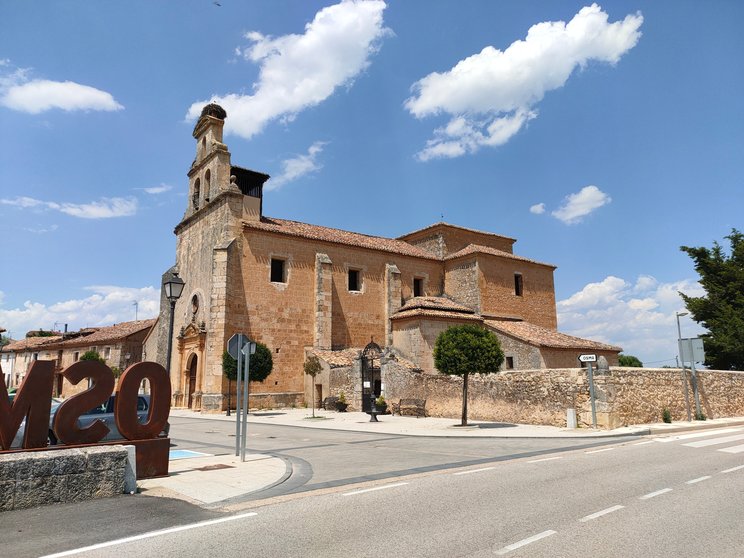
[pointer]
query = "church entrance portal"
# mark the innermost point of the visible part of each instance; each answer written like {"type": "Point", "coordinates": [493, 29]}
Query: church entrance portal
{"type": "Point", "coordinates": [192, 380]}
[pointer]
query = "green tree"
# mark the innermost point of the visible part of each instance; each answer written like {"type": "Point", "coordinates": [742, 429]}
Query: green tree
{"type": "Point", "coordinates": [260, 367]}
{"type": "Point", "coordinates": [721, 309]}
{"type": "Point", "coordinates": [464, 350]}
{"type": "Point", "coordinates": [629, 360]}
{"type": "Point", "coordinates": [92, 355]}
{"type": "Point", "coordinates": [312, 369]}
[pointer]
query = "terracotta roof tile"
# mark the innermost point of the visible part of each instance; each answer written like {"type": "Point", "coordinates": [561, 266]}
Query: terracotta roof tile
{"type": "Point", "coordinates": [337, 359]}
{"type": "Point", "coordinates": [30, 343]}
{"type": "Point", "coordinates": [112, 333]}
{"type": "Point", "coordinates": [441, 224]}
{"type": "Point", "coordinates": [544, 337]}
{"type": "Point", "coordinates": [441, 314]}
{"type": "Point", "coordinates": [434, 303]}
{"type": "Point", "coordinates": [338, 236]}
{"type": "Point", "coordinates": [476, 249]}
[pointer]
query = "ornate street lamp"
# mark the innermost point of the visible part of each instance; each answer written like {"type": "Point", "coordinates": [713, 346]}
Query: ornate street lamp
{"type": "Point", "coordinates": [173, 287]}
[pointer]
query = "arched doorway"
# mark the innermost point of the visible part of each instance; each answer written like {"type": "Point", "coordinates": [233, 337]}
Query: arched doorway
{"type": "Point", "coordinates": [371, 378]}
{"type": "Point", "coordinates": [192, 379]}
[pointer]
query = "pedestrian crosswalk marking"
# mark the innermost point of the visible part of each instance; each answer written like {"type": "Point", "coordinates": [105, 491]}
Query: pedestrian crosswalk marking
{"type": "Point", "coordinates": [714, 441]}
{"type": "Point", "coordinates": [698, 435]}
{"type": "Point", "coordinates": [733, 449]}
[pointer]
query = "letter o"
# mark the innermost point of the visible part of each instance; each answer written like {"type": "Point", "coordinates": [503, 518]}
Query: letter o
{"type": "Point", "coordinates": [125, 408]}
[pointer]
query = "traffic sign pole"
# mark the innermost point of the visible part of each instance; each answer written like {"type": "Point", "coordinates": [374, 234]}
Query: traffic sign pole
{"type": "Point", "coordinates": [238, 398]}
{"type": "Point", "coordinates": [589, 359]}
{"type": "Point", "coordinates": [247, 356]}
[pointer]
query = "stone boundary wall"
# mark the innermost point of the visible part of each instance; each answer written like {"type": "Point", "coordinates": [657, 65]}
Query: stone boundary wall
{"type": "Point", "coordinates": [624, 396]}
{"type": "Point", "coordinates": [37, 478]}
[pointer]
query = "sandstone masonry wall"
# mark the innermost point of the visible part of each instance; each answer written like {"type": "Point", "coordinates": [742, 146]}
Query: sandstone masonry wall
{"type": "Point", "coordinates": [30, 479]}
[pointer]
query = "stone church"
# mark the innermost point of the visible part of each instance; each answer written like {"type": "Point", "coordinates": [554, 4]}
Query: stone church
{"type": "Point", "coordinates": [302, 289]}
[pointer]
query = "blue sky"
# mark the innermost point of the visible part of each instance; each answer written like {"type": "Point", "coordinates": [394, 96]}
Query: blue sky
{"type": "Point", "coordinates": [602, 137]}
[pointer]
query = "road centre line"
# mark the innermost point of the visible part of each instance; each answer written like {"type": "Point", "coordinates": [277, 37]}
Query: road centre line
{"type": "Point", "coordinates": [599, 450]}
{"type": "Point", "coordinates": [362, 491]}
{"type": "Point", "coordinates": [697, 435]}
{"type": "Point", "coordinates": [733, 449]}
{"type": "Point", "coordinates": [150, 535]}
{"type": "Point", "coordinates": [715, 441]}
{"type": "Point", "coordinates": [699, 479]}
{"type": "Point", "coordinates": [601, 513]}
{"type": "Point", "coordinates": [545, 459]}
{"type": "Point", "coordinates": [524, 542]}
{"type": "Point", "coordinates": [474, 471]}
{"type": "Point", "coordinates": [737, 468]}
{"type": "Point", "coordinates": [654, 494]}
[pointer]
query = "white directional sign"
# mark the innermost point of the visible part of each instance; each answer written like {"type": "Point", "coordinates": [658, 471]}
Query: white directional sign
{"type": "Point", "coordinates": [588, 358]}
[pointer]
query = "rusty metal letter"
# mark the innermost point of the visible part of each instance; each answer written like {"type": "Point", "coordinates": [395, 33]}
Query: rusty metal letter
{"type": "Point", "coordinates": [65, 420]}
{"type": "Point", "coordinates": [33, 401]}
{"type": "Point", "coordinates": [125, 407]}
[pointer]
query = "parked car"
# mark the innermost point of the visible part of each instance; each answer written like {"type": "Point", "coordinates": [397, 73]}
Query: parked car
{"type": "Point", "coordinates": [104, 412]}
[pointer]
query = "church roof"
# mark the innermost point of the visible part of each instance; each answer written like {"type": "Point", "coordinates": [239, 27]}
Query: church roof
{"type": "Point", "coordinates": [338, 236]}
{"type": "Point", "coordinates": [544, 337]}
{"type": "Point", "coordinates": [477, 249]}
{"type": "Point", "coordinates": [435, 307]}
{"type": "Point", "coordinates": [442, 224]}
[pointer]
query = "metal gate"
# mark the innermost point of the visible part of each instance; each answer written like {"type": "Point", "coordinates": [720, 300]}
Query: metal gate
{"type": "Point", "coordinates": [371, 379]}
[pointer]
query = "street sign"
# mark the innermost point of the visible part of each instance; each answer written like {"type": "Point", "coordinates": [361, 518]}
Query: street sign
{"type": "Point", "coordinates": [587, 358]}
{"type": "Point", "coordinates": [236, 343]}
{"type": "Point", "coordinates": [692, 350]}
{"type": "Point", "coordinates": [248, 349]}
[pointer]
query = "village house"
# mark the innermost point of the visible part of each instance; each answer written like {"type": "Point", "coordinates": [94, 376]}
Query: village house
{"type": "Point", "coordinates": [120, 345]}
{"type": "Point", "coordinates": [302, 289]}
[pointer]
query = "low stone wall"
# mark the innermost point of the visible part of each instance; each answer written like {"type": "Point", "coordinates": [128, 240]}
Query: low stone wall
{"type": "Point", "coordinates": [37, 478]}
{"type": "Point", "coordinates": [624, 396]}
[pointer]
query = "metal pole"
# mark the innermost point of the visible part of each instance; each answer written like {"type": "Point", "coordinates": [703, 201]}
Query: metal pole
{"type": "Point", "coordinates": [591, 395]}
{"type": "Point", "coordinates": [238, 404]}
{"type": "Point", "coordinates": [170, 336]}
{"type": "Point", "coordinates": [698, 412]}
{"type": "Point", "coordinates": [684, 374]}
{"type": "Point", "coordinates": [245, 400]}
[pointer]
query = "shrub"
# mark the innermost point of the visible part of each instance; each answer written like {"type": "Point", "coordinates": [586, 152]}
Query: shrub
{"type": "Point", "coordinates": [666, 416]}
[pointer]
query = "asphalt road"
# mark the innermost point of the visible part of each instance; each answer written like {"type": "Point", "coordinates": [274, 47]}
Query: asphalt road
{"type": "Point", "coordinates": [634, 498]}
{"type": "Point", "coordinates": [640, 498]}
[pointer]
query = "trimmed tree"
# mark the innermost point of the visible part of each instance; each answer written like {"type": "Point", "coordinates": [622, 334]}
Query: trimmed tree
{"type": "Point", "coordinates": [92, 355]}
{"type": "Point", "coordinates": [260, 368]}
{"type": "Point", "coordinates": [464, 350]}
{"type": "Point", "coordinates": [312, 369]}
{"type": "Point", "coordinates": [629, 360]}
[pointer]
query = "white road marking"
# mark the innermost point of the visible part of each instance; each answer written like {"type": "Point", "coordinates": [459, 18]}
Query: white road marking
{"type": "Point", "coordinates": [699, 479]}
{"type": "Point", "coordinates": [654, 494]}
{"type": "Point", "coordinates": [545, 459]}
{"type": "Point", "coordinates": [644, 443]}
{"type": "Point", "coordinates": [524, 542]}
{"type": "Point", "coordinates": [733, 449]}
{"type": "Point", "coordinates": [740, 467]}
{"type": "Point", "coordinates": [599, 450]}
{"type": "Point", "coordinates": [354, 492]}
{"type": "Point", "coordinates": [714, 441]}
{"type": "Point", "coordinates": [474, 471]}
{"type": "Point", "coordinates": [697, 435]}
{"type": "Point", "coordinates": [150, 535]}
{"type": "Point", "coordinates": [601, 513]}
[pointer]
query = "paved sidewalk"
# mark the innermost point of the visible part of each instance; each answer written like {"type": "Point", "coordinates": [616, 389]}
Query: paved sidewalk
{"type": "Point", "coordinates": [213, 481]}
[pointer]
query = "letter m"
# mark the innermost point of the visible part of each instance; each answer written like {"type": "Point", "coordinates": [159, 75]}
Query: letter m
{"type": "Point", "coordinates": [33, 401]}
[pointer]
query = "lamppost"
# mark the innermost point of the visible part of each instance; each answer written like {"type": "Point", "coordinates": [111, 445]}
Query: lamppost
{"type": "Point", "coordinates": [173, 287]}
{"type": "Point", "coordinates": [681, 360]}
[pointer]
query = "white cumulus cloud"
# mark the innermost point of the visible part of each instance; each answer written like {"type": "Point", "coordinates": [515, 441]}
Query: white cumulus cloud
{"type": "Point", "coordinates": [537, 209]}
{"type": "Point", "coordinates": [106, 305]}
{"type": "Point", "coordinates": [301, 71]}
{"type": "Point", "coordinates": [294, 168]}
{"type": "Point", "coordinates": [639, 316]}
{"type": "Point", "coordinates": [19, 92]}
{"type": "Point", "coordinates": [105, 208]}
{"type": "Point", "coordinates": [153, 190]}
{"type": "Point", "coordinates": [577, 206]}
{"type": "Point", "coordinates": [491, 95]}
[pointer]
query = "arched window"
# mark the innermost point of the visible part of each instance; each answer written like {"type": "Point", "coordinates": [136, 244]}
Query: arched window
{"type": "Point", "coordinates": [207, 185]}
{"type": "Point", "coordinates": [197, 193]}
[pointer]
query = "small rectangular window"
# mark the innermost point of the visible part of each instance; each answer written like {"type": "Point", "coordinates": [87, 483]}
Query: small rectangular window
{"type": "Point", "coordinates": [510, 363]}
{"type": "Point", "coordinates": [277, 271]}
{"type": "Point", "coordinates": [75, 356]}
{"type": "Point", "coordinates": [518, 285]}
{"type": "Point", "coordinates": [418, 286]}
{"type": "Point", "coordinates": [354, 283]}
{"type": "Point", "coordinates": [107, 353]}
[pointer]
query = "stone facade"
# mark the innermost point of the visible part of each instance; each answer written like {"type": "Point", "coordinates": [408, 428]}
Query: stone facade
{"type": "Point", "coordinates": [297, 287]}
{"type": "Point", "coordinates": [31, 479]}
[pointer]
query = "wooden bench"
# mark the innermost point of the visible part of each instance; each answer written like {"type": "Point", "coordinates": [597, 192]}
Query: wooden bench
{"type": "Point", "coordinates": [410, 407]}
{"type": "Point", "coordinates": [329, 403]}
